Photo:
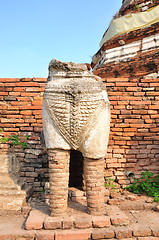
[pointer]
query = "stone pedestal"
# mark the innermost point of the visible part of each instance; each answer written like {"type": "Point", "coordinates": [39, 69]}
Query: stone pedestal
{"type": "Point", "coordinates": [59, 176]}
{"type": "Point", "coordinates": [12, 197]}
{"type": "Point", "coordinates": [94, 178]}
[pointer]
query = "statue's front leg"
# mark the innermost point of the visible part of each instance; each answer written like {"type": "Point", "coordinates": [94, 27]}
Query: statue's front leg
{"type": "Point", "coordinates": [59, 178]}
{"type": "Point", "coordinates": [94, 178]}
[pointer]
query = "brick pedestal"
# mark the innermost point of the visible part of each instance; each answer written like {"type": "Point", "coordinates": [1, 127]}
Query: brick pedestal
{"type": "Point", "coordinates": [94, 178]}
{"type": "Point", "coordinates": [59, 177]}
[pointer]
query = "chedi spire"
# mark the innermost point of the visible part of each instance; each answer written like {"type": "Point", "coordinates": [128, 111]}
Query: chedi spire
{"type": "Point", "coordinates": [133, 35]}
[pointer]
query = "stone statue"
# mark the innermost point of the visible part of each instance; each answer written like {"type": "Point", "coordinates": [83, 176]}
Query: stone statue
{"type": "Point", "coordinates": [75, 116]}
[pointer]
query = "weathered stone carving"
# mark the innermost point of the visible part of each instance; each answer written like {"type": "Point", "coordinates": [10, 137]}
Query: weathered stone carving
{"type": "Point", "coordinates": [12, 196]}
{"type": "Point", "coordinates": [75, 116]}
{"type": "Point", "coordinates": [75, 105]}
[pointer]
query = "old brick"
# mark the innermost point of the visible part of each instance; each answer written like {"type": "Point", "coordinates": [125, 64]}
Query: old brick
{"type": "Point", "coordinates": [117, 216]}
{"type": "Point", "coordinates": [72, 235]}
{"type": "Point", "coordinates": [148, 238]}
{"type": "Point", "coordinates": [45, 235]}
{"type": "Point", "coordinates": [103, 233]}
{"type": "Point", "coordinates": [52, 223]}
{"type": "Point", "coordinates": [27, 84]}
{"type": "Point", "coordinates": [123, 232]}
{"type": "Point", "coordinates": [100, 221]}
{"type": "Point", "coordinates": [141, 231]}
{"type": "Point", "coordinates": [35, 220]}
{"type": "Point", "coordinates": [83, 222]}
{"type": "Point", "coordinates": [27, 112]}
{"type": "Point", "coordinates": [67, 223]}
{"type": "Point", "coordinates": [155, 231]}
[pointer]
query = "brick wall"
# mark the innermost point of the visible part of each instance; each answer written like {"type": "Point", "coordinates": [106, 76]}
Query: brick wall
{"type": "Point", "coordinates": [21, 108]}
{"type": "Point", "coordinates": [134, 138]}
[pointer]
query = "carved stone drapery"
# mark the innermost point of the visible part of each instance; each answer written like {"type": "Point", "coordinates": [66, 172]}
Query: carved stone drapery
{"type": "Point", "coordinates": [75, 110]}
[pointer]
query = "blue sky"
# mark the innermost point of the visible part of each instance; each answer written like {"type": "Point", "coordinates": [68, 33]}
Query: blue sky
{"type": "Point", "coordinates": [32, 32]}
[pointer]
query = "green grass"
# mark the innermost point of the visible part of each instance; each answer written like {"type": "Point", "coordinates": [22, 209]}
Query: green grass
{"type": "Point", "coordinates": [148, 183]}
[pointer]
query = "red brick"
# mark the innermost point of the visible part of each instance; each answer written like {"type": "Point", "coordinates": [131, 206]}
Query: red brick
{"type": "Point", "coordinates": [155, 231]}
{"type": "Point", "coordinates": [134, 89]}
{"type": "Point", "coordinates": [153, 107]}
{"type": "Point", "coordinates": [14, 116]}
{"type": "Point", "coordinates": [35, 89]}
{"type": "Point", "coordinates": [18, 235]}
{"type": "Point", "coordinates": [7, 237]}
{"type": "Point", "coordinates": [103, 233]}
{"type": "Point", "coordinates": [12, 120]}
{"type": "Point", "coordinates": [11, 129]}
{"type": "Point", "coordinates": [9, 80]}
{"type": "Point", "coordinates": [83, 222]}
{"type": "Point", "coordinates": [18, 89]}
{"type": "Point", "coordinates": [123, 232]}
{"type": "Point", "coordinates": [3, 93]}
{"type": "Point", "coordinates": [100, 221]}
{"type": "Point", "coordinates": [141, 231]}
{"type": "Point", "coordinates": [27, 84]}
{"type": "Point", "coordinates": [29, 94]}
{"type": "Point", "coordinates": [23, 99]}
{"type": "Point", "coordinates": [20, 103]}
{"type": "Point", "coordinates": [117, 216]}
{"type": "Point", "coordinates": [32, 108]}
{"type": "Point", "coordinates": [72, 235]}
{"type": "Point", "coordinates": [45, 235]}
{"type": "Point", "coordinates": [152, 93]}
{"type": "Point", "coordinates": [67, 223]}
{"type": "Point", "coordinates": [27, 112]}
{"type": "Point", "coordinates": [52, 223]}
{"type": "Point", "coordinates": [140, 102]}
{"type": "Point", "coordinates": [39, 80]}
{"type": "Point", "coordinates": [37, 112]}
{"type": "Point", "coordinates": [148, 238]}
{"type": "Point", "coordinates": [37, 103]}
{"type": "Point", "coordinates": [126, 84]}
{"type": "Point", "coordinates": [114, 201]}
{"type": "Point", "coordinates": [37, 129]}
{"type": "Point", "coordinates": [14, 93]}
{"type": "Point", "coordinates": [35, 220]}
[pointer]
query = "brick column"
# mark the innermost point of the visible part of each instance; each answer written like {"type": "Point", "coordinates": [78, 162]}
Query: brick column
{"type": "Point", "coordinates": [59, 177]}
{"type": "Point", "coordinates": [94, 178]}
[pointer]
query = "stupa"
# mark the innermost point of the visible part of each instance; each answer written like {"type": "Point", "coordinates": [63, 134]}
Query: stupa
{"type": "Point", "coordinates": [131, 42]}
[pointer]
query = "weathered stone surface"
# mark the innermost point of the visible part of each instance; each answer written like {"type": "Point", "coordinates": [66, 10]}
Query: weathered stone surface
{"type": "Point", "coordinates": [11, 196]}
{"type": "Point", "coordinates": [10, 164]}
{"type": "Point", "coordinates": [75, 110]}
